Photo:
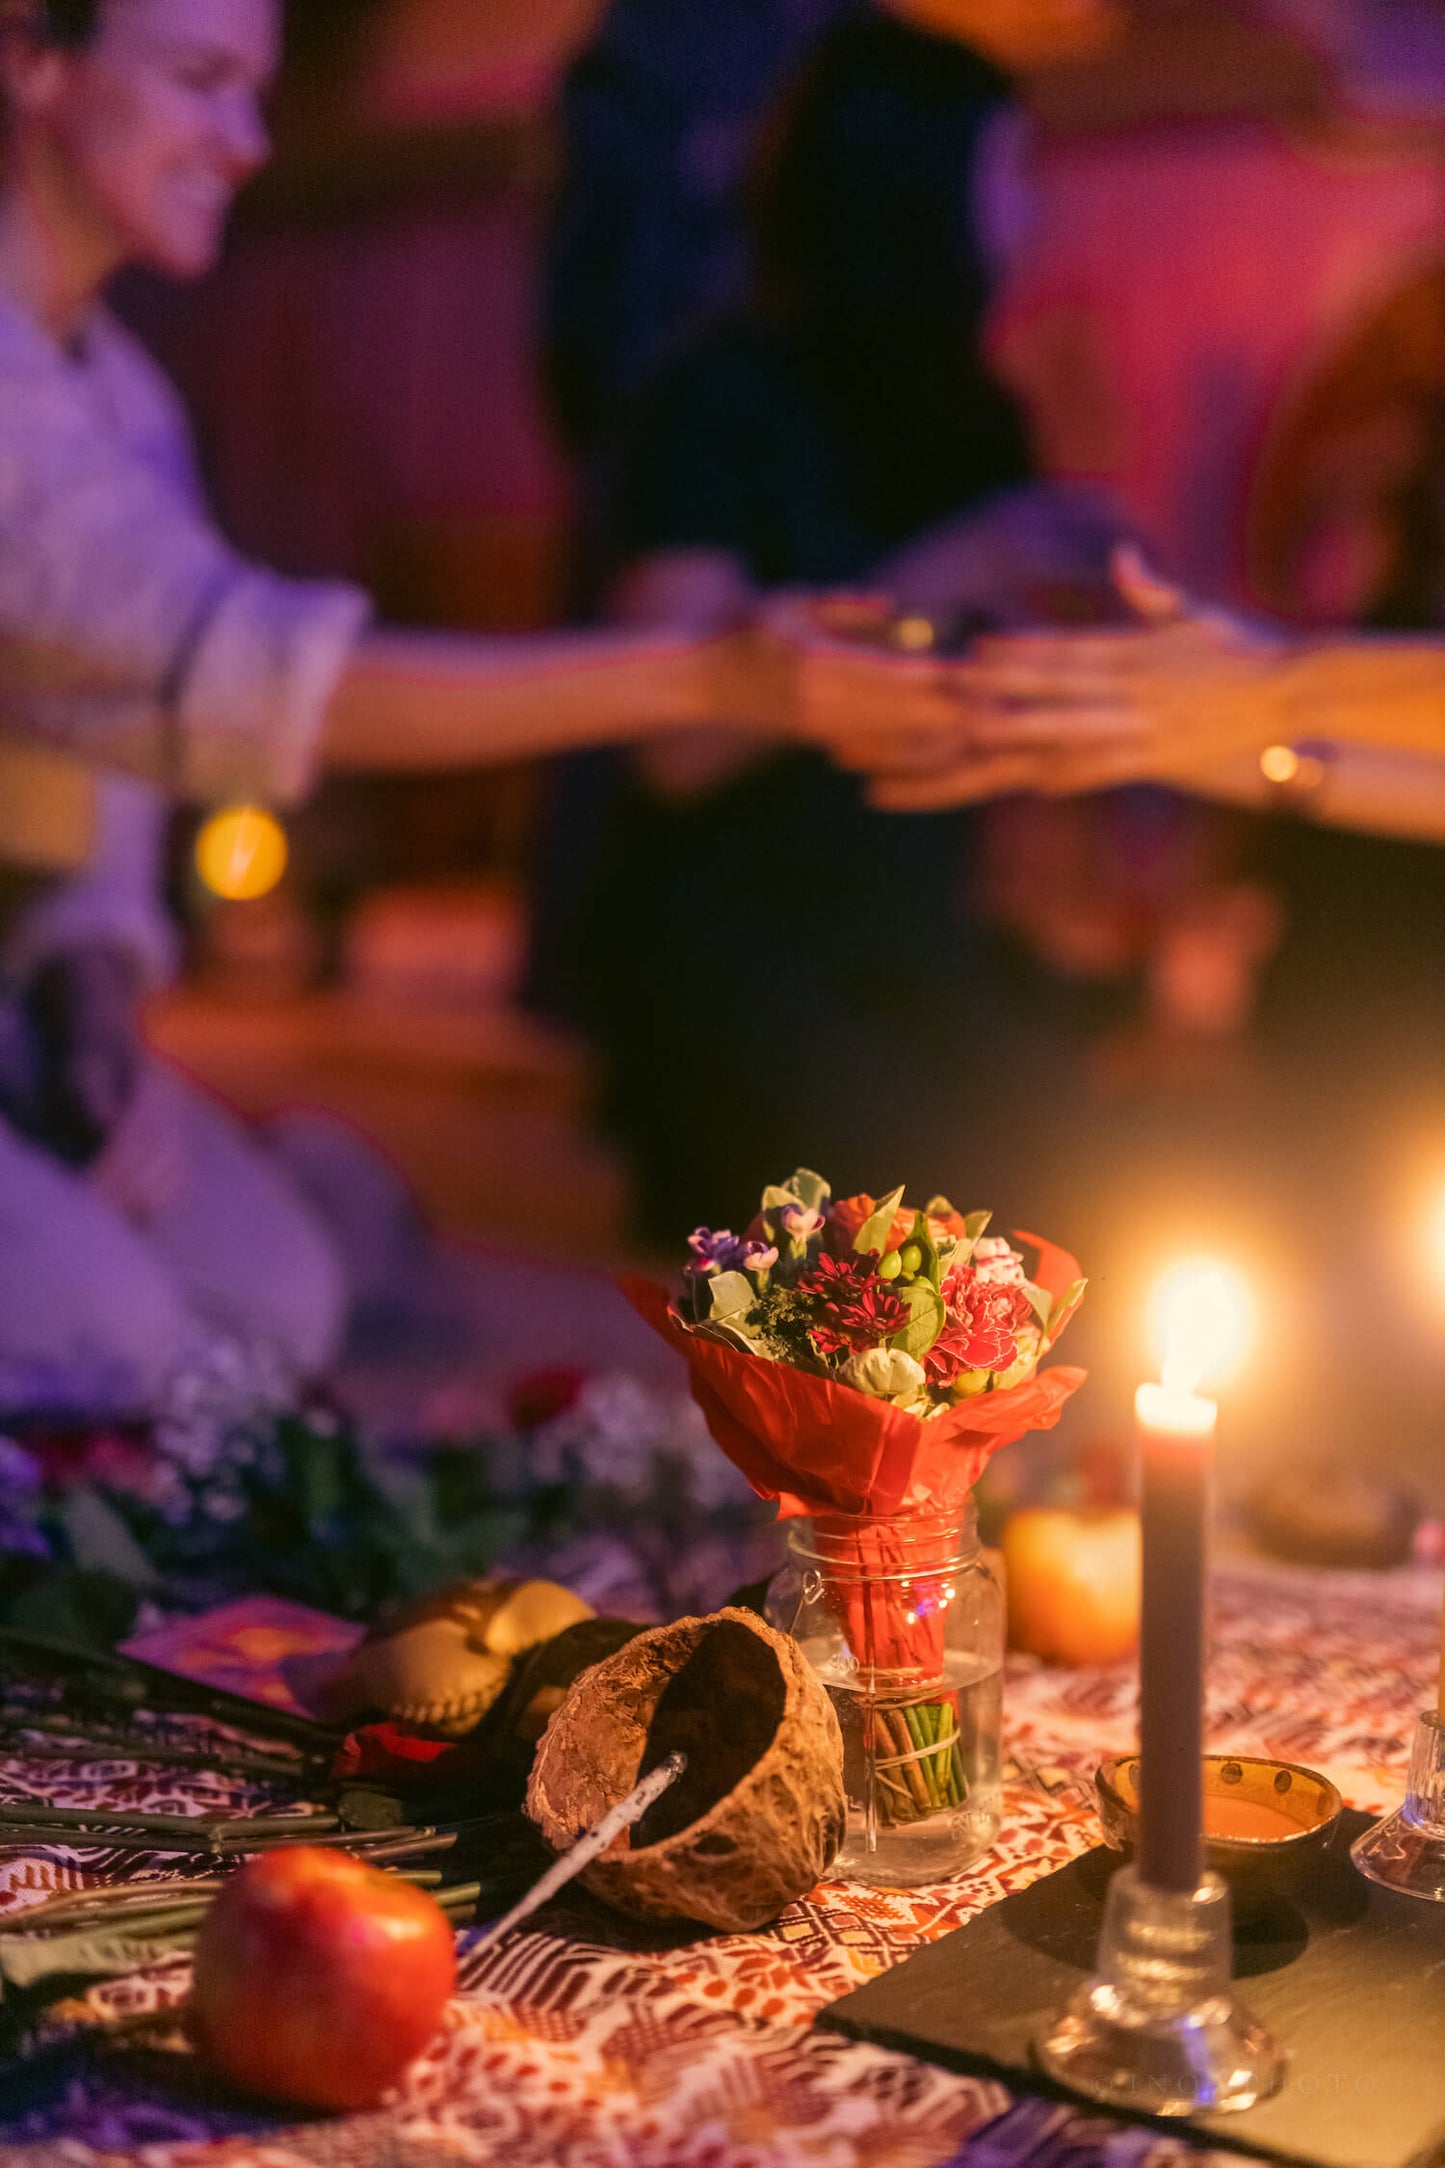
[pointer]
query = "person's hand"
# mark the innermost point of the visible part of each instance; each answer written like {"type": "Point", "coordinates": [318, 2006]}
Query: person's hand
{"type": "Point", "coordinates": [1174, 696]}
{"type": "Point", "coordinates": [844, 681]}
{"type": "Point", "coordinates": [705, 594]}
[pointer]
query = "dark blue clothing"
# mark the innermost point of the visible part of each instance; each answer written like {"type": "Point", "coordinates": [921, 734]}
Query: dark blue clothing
{"type": "Point", "coordinates": [774, 973]}
{"type": "Point", "coordinates": [659, 114]}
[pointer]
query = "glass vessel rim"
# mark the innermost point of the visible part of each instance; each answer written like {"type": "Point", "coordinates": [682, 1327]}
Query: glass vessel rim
{"type": "Point", "coordinates": [938, 1541]}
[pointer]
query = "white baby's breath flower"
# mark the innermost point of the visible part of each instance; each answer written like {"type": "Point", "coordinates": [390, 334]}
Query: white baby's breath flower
{"type": "Point", "coordinates": [612, 1434]}
{"type": "Point", "coordinates": [221, 1390]}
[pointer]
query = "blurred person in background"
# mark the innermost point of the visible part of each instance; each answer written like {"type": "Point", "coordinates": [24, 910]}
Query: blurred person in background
{"type": "Point", "coordinates": [138, 645]}
{"type": "Point", "coordinates": [659, 112]}
{"type": "Point", "coordinates": [1336, 739]}
{"type": "Point", "coordinates": [771, 970]}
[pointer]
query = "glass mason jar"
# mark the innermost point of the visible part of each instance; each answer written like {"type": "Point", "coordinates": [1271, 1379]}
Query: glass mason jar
{"type": "Point", "coordinates": [904, 1624]}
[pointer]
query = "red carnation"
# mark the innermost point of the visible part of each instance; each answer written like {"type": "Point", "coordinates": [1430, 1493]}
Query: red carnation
{"type": "Point", "coordinates": [856, 1310]}
{"type": "Point", "coordinates": [982, 1332]}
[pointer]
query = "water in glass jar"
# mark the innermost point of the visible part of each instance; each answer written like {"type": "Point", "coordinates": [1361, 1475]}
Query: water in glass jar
{"type": "Point", "coordinates": [906, 1827]}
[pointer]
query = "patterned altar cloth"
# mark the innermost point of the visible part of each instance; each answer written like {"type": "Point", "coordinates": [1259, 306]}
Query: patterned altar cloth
{"type": "Point", "coordinates": [577, 2047]}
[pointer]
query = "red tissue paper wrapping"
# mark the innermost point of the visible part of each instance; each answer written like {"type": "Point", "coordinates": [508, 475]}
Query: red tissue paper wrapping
{"type": "Point", "coordinates": [824, 1450]}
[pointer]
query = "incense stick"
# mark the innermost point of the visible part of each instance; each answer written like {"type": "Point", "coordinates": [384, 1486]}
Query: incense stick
{"type": "Point", "coordinates": [587, 1848]}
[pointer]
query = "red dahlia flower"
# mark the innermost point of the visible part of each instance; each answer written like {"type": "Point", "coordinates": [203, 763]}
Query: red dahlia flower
{"type": "Point", "coordinates": [855, 1309]}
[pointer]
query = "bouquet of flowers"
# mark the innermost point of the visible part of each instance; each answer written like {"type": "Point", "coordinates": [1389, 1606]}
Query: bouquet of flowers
{"type": "Point", "coordinates": [860, 1361]}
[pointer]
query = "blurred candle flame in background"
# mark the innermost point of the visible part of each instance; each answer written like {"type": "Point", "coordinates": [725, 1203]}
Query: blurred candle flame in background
{"type": "Point", "coordinates": [1435, 1235]}
{"type": "Point", "coordinates": [1202, 1316]}
{"type": "Point", "coordinates": [241, 853]}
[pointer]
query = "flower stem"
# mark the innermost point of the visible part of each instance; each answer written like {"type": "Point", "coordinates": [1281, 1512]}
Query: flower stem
{"type": "Point", "coordinates": [921, 1735]}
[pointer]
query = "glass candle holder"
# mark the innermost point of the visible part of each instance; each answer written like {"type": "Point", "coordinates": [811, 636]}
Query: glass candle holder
{"type": "Point", "coordinates": [1406, 1851]}
{"type": "Point", "coordinates": [904, 1625]}
{"type": "Point", "coordinates": [1158, 2028]}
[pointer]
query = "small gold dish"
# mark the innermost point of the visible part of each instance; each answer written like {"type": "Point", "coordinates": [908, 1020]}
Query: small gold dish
{"type": "Point", "coordinates": [1263, 1820]}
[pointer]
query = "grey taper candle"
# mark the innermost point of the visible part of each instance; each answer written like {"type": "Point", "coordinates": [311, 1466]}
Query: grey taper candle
{"type": "Point", "coordinates": [1176, 1442]}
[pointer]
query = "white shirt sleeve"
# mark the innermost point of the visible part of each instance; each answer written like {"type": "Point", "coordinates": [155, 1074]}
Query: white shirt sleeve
{"type": "Point", "coordinates": [131, 634]}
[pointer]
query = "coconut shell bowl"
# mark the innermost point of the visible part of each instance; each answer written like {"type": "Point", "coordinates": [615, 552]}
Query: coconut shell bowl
{"type": "Point", "coordinates": [1265, 1822]}
{"type": "Point", "coordinates": [757, 1817]}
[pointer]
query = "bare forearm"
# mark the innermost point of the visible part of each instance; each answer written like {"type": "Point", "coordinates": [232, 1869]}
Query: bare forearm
{"type": "Point", "coordinates": [1381, 692]}
{"type": "Point", "coordinates": [1351, 786]}
{"type": "Point", "coordinates": [414, 701]}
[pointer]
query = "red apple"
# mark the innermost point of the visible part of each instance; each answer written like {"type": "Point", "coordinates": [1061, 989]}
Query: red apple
{"type": "Point", "coordinates": [318, 1978]}
{"type": "Point", "coordinates": [1073, 1583]}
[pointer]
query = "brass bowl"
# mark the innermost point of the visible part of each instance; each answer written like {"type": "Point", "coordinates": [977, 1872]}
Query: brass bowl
{"type": "Point", "coordinates": [1307, 1806]}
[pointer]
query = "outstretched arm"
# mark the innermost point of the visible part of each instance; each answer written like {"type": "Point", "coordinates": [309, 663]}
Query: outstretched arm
{"type": "Point", "coordinates": [1186, 687]}
{"type": "Point", "coordinates": [1190, 697]}
{"type": "Point", "coordinates": [422, 700]}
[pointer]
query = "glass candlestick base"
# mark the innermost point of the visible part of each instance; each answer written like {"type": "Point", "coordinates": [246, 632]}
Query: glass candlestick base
{"type": "Point", "coordinates": [1158, 2028]}
{"type": "Point", "coordinates": [1407, 1850]}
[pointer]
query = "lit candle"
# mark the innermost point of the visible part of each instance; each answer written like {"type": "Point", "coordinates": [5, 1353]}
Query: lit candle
{"type": "Point", "coordinates": [1176, 1437]}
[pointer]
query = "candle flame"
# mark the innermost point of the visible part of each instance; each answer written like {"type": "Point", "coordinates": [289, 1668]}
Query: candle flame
{"type": "Point", "coordinates": [1202, 1320]}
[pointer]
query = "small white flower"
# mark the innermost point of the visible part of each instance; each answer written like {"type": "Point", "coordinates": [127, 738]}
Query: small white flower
{"type": "Point", "coordinates": [885, 1373]}
{"type": "Point", "coordinates": [613, 1434]}
{"type": "Point", "coordinates": [997, 1263]}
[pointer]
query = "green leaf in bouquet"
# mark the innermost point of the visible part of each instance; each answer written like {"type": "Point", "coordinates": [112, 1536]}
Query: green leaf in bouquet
{"type": "Point", "coordinates": [1041, 1302]}
{"type": "Point", "coordinates": [939, 1208]}
{"type": "Point", "coordinates": [731, 1299]}
{"type": "Point", "coordinates": [975, 1226]}
{"type": "Point", "coordinates": [874, 1232]}
{"type": "Point", "coordinates": [932, 1267]}
{"type": "Point", "coordinates": [1063, 1310]}
{"type": "Point", "coordinates": [802, 1187]}
{"type": "Point", "coordinates": [925, 1320]}
{"type": "Point", "coordinates": [808, 1189]}
{"type": "Point", "coordinates": [730, 1336]}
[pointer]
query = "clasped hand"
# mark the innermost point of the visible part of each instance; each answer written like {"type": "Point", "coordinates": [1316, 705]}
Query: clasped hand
{"type": "Point", "coordinates": [1170, 695]}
